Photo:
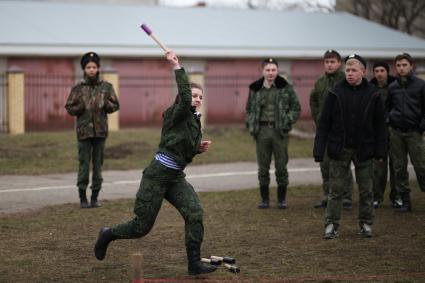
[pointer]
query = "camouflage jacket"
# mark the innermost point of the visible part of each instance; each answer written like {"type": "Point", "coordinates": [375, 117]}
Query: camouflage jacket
{"type": "Point", "coordinates": [181, 130]}
{"type": "Point", "coordinates": [91, 103]}
{"type": "Point", "coordinates": [287, 107]}
{"type": "Point", "coordinates": [320, 91]}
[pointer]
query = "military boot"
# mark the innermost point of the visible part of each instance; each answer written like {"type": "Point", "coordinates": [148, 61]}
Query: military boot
{"type": "Point", "coordinates": [264, 192]}
{"type": "Point", "coordinates": [83, 199]}
{"type": "Point", "coordinates": [194, 264]}
{"type": "Point", "coordinates": [93, 200]}
{"type": "Point", "coordinates": [103, 240]}
{"type": "Point", "coordinates": [281, 196]}
{"type": "Point", "coordinates": [407, 204]}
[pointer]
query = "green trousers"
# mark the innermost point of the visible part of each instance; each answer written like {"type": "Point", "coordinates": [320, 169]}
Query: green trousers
{"type": "Point", "coordinates": [90, 149]}
{"type": "Point", "coordinates": [270, 142]}
{"type": "Point", "coordinates": [364, 176]}
{"type": "Point", "coordinates": [158, 183]}
{"type": "Point", "coordinates": [347, 195]}
{"type": "Point", "coordinates": [401, 145]}
{"type": "Point", "coordinates": [380, 176]}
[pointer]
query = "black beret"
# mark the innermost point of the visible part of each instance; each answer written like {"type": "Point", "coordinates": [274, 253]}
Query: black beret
{"type": "Point", "coordinates": [357, 57]}
{"type": "Point", "coordinates": [332, 54]}
{"type": "Point", "coordinates": [269, 61]}
{"type": "Point", "coordinates": [382, 64]}
{"type": "Point", "coordinates": [90, 57]}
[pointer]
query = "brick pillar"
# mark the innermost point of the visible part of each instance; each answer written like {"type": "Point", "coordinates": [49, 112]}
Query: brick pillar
{"type": "Point", "coordinates": [199, 78]}
{"type": "Point", "coordinates": [111, 76]}
{"type": "Point", "coordinates": [15, 101]}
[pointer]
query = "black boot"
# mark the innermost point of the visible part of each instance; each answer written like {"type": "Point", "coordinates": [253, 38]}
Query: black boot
{"type": "Point", "coordinates": [194, 264]}
{"type": "Point", "coordinates": [407, 204]}
{"type": "Point", "coordinates": [264, 192]}
{"type": "Point", "coordinates": [281, 197]}
{"type": "Point", "coordinates": [83, 199]}
{"type": "Point", "coordinates": [93, 200]}
{"type": "Point", "coordinates": [103, 240]}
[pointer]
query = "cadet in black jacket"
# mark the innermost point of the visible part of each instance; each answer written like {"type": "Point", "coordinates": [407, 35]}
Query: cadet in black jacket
{"type": "Point", "coordinates": [406, 107]}
{"type": "Point", "coordinates": [352, 127]}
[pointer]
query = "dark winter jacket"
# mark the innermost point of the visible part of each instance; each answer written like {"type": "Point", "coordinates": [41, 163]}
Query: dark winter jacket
{"type": "Point", "coordinates": [406, 104]}
{"type": "Point", "coordinates": [181, 130]}
{"type": "Point", "coordinates": [90, 103]}
{"type": "Point", "coordinates": [372, 141]}
{"type": "Point", "coordinates": [287, 107]}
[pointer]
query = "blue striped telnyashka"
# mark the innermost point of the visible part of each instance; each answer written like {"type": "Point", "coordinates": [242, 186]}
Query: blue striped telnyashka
{"type": "Point", "coordinates": [167, 161]}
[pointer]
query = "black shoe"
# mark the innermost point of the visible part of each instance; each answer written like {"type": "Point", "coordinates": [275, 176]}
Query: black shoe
{"type": "Point", "coordinates": [83, 199]}
{"type": "Point", "coordinates": [103, 240]}
{"type": "Point", "coordinates": [281, 204]}
{"type": "Point", "coordinates": [331, 232]}
{"type": "Point", "coordinates": [347, 205]}
{"type": "Point", "coordinates": [94, 203]}
{"type": "Point", "coordinates": [321, 204]}
{"type": "Point", "coordinates": [365, 230]}
{"type": "Point", "coordinates": [263, 205]}
{"type": "Point", "coordinates": [376, 204]}
{"type": "Point", "coordinates": [195, 266]}
{"type": "Point", "coordinates": [397, 203]}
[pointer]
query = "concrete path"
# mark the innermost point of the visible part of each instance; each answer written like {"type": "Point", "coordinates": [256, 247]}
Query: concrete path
{"type": "Point", "coordinates": [20, 193]}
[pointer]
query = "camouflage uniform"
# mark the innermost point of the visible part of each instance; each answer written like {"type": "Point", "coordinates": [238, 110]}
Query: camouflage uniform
{"type": "Point", "coordinates": [90, 102]}
{"type": "Point", "coordinates": [180, 140]}
{"type": "Point", "coordinates": [380, 174]}
{"type": "Point", "coordinates": [317, 100]}
{"type": "Point", "coordinates": [406, 107]}
{"type": "Point", "coordinates": [270, 114]}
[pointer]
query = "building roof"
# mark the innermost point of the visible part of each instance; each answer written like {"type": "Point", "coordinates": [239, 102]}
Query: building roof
{"type": "Point", "coordinates": [70, 29]}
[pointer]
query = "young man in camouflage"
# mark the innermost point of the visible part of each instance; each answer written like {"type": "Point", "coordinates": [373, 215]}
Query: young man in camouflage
{"type": "Point", "coordinates": [332, 75]}
{"type": "Point", "coordinates": [271, 110]}
{"type": "Point", "coordinates": [352, 129]}
{"type": "Point", "coordinates": [164, 177]}
{"type": "Point", "coordinates": [90, 101]}
{"type": "Point", "coordinates": [406, 108]}
{"type": "Point", "coordinates": [381, 79]}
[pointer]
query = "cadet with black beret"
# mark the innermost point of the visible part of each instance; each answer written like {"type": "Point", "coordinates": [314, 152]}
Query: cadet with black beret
{"type": "Point", "coordinates": [90, 101]}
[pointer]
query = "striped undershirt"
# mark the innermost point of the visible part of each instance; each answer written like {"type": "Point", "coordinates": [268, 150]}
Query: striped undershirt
{"type": "Point", "coordinates": [168, 161]}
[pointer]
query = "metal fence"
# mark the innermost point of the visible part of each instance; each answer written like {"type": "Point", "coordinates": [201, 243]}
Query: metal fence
{"type": "Point", "coordinates": [144, 99]}
{"type": "Point", "coordinates": [45, 98]}
{"type": "Point", "coordinates": [3, 104]}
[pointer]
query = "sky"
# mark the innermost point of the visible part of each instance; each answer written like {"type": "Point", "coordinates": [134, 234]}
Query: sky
{"type": "Point", "coordinates": [238, 3]}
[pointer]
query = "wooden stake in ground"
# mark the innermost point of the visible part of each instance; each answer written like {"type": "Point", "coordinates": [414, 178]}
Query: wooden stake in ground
{"type": "Point", "coordinates": [137, 268]}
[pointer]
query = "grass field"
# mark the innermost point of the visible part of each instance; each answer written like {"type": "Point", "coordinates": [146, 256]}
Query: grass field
{"type": "Point", "coordinates": [55, 244]}
{"type": "Point", "coordinates": [56, 152]}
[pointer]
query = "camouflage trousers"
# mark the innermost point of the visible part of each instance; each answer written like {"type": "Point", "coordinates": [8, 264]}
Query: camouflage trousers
{"type": "Point", "coordinates": [364, 177]}
{"type": "Point", "coordinates": [90, 149]}
{"type": "Point", "coordinates": [401, 145]}
{"type": "Point", "coordinates": [347, 194]}
{"type": "Point", "coordinates": [158, 183]}
{"type": "Point", "coordinates": [270, 142]}
{"type": "Point", "coordinates": [380, 176]}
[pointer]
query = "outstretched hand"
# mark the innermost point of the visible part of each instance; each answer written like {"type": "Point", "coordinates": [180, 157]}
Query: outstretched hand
{"type": "Point", "coordinates": [204, 146]}
{"type": "Point", "coordinates": [172, 59]}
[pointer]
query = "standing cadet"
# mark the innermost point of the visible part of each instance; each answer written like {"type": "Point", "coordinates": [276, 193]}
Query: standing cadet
{"type": "Point", "coordinates": [333, 74]}
{"type": "Point", "coordinates": [406, 107]}
{"type": "Point", "coordinates": [90, 101]}
{"type": "Point", "coordinates": [271, 110]}
{"type": "Point", "coordinates": [352, 129]}
{"type": "Point", "coordinates": [164, 177]}
{"type": "Point", "coordinates": [381, 79]}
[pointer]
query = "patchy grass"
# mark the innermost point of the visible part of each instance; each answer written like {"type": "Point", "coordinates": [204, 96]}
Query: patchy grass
{"type": "Point", "coordinates": [55, 244]}
{"type": "Point", "coordinates": [56, 152]}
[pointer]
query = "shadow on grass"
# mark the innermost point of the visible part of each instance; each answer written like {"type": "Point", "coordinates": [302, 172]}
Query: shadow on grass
{"type": "Point", "coordinates": [55, 244]}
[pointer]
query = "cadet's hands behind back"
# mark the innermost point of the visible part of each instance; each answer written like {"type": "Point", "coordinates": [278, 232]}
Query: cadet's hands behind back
{"type": "Point", "coordinates": [172, 59]}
